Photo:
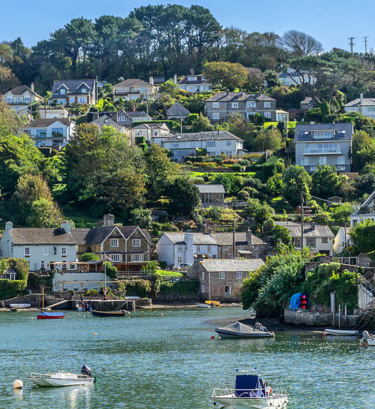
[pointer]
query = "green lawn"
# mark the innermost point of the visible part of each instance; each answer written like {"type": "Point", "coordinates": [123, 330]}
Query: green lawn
{"type": "Point", "coordinates": [166, 273]}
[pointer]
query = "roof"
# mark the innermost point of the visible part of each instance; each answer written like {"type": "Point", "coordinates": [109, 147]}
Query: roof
{"type": "Point", "coordinates": [28, 235]}
{"type": "Point", "coordinates": [226, 239]}
{"type": "Point", "coordinates": [365, 204]}
{"type": "Point", "coordinates": [238, 96]}
{"type": "Point", "coordinates": [97, 235]}
{"type": "Point", "coordinates": [72, 85]}
{"type": "Point", "coordinates": [200, 80]}
{"type": "Point", "coordinates": [133, 114]}
{"type": "Point", "coordinates": [133, 82]}
{"type": "Point", "coordinates": [22, 89]}
{"type": "Point", "coordinates": [307, 100]}
{"type": "Point", "coordinates": [108, 121]}
{"type": "Point", "coordinates": [198, 238]}
{"type": "Point", "coordinates": [308, 230]}
{"type": "Point", "coordinates": [210, 188]}
{"type": "Point", "coordinates": [232, 265]}
{"type": "Point", "coordinates": [342, 131]}
{"type": "Point", "coordinates": [152, 125]}
{"type": "Point", "coordinates": [204, 136]}
{"type": "Point", "coordinates": [357, 102]}
{"type": "Point", "coordinates": [177, 109]}
{"type": "Point", "coordinates": [45, 122]}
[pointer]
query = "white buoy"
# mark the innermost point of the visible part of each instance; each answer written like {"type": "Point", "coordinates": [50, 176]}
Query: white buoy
{"type": "Point", "coordinates": [17, 384]}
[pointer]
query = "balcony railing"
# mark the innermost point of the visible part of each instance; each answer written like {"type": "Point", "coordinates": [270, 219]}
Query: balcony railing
{"type": "Point", "coordinates": [327, 151]}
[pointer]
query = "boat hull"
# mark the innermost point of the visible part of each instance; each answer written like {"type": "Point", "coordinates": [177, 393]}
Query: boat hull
{"type": "Point", "coordinates": [58, 382]}
{"type": "Point", "coordinates": [256, 334]}
{"type": "Point", "coordinates": [109, 313]}
{"type": "Point", "coordinates": [19, 306]}
{"type": "Point", "coordinates": [50, 316]}
{"type": "Point", "coordinates": [341, 333]}
{"type": "Point", "coordinates": [230, 402]}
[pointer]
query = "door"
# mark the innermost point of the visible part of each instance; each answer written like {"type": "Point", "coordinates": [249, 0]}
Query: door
{"type": "Point", "coordinates": [227, 290]}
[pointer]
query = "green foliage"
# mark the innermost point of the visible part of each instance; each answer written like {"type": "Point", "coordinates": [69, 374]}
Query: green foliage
{"type": "Point", "coordinates": [296, 182]}
{"type": "Point", "coordinates": [190, 287]}
{"type": "Point", "coordinates": [340, 214]}
{"type": "Point", "coordinates": [325, 181]}
{"type": "Point", "coordinates": [141, 217]}
{"type": "Point", "coordinates": [139, 288]}
{"type": "Point", "coordinates": [258, 211]}
{"type": "Point", "coordinates": [363, 236]}
{"type": "Point", "coordinates": [267, 139]}
{"type": "Point", "coordinates": [228, 75]}
{"type": "Point", "coordinates": [89, 257]}
{"type": "Point", "coordinates": [44, 213]}
{"type": "Point", "coordinates": [11, 288]}
{"type": "Point", "coordinates": [184, 197]}
{"type": "Point", "coordinates": [329, 277]}
{"type": "Point", "coordinates": [110, 269]}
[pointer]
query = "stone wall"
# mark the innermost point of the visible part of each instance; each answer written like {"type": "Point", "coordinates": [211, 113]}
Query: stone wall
{"type": "Point", "coordinates": [319, 319]}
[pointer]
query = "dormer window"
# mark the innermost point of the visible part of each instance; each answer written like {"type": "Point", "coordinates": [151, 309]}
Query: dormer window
{"type": "Point", "coordinates": [62, 91]}
{"type": "Point", "coordinates": [192, 78]}
{"type": "Point", "coordinates": [84, 90]}
{"type": "Point", "coordinates": [322, 134]}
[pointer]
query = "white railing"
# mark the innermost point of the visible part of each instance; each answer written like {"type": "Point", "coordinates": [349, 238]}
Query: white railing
{"type": "Point", "coordinates": [259, 393]}
{"type": "Point", "coordinates": [323, 151]}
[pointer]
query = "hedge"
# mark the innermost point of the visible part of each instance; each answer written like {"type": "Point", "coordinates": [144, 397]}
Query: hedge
{"type": "Point", "coordinates": [180, 287]}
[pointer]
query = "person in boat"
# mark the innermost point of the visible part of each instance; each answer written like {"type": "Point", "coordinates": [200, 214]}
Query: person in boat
{"type": "Point", "coordinates": [86, 371]}
{"type": "Point", "coordinates": [260, 327]}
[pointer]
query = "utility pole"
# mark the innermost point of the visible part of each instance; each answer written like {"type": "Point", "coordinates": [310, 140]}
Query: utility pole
{"type": "Point", "coordinates": [351, 43]}
{"type": "Point", "coordinates": [301, 220]}
{"type": "Point", "coordinates": [365, 39]}
{"type": "Point", "coordinates": [234, 238]}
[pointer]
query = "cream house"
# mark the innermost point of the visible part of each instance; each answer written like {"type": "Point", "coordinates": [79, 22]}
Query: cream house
{"type": "Point", "coordinates": [133, 89]}
{"type": "Point", "coordinates": [21, 98]}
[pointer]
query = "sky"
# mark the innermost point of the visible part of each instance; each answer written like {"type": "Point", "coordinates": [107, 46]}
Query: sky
{"type": "Point", "coordinates": [329, 21]}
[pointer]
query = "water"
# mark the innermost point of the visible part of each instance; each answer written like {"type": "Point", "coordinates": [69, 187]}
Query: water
{"type": "Point", "coordinates": [166, 360]}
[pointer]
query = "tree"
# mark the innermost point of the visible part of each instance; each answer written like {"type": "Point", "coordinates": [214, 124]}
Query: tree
{"type": "Point", "coordinates": [255, 79]}
{"type": "Point", "coordinates": [272, 78]}
{"type": "Point", "coordinates": [201, 124]}
{"type": "Point", "coordinates": [341, 214]}
{"type": "Point", "coordinates": [89, 257]}
{"type": "Point", "coordinates": [301, 44]}
{"type": "Point", "coordinates": [184, 197]}
{"type": "Point", "coordinates": [141, 217]}
{"type": "Point", "coordinates": [363, 150]}
{"type": "Point", "coordinates": [258, 211]}
{"type": "Point", "coordinates": [44, 213]}
{"type": "Point", "coordinates": [297, 183]}
{"type": "Point", "coordinates": [228, 75]}
{"type": "Point", "coordinates": [268, 139]}
{"type": "Point", "coordinates": [325, 181]}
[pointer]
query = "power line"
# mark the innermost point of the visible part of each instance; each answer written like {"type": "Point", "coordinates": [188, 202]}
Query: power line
{"type": "Point", "coordinates": [351, 43]}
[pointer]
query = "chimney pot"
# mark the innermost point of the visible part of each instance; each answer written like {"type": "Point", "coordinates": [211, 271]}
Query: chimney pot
{"type": "Point", "coordinates": [108, 220]}
{"type": "Point", "coordinates": [248, 236]}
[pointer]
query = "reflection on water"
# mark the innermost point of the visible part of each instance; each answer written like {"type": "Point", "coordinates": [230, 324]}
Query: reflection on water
{"type": "Point", "coordinates": [169, 361]}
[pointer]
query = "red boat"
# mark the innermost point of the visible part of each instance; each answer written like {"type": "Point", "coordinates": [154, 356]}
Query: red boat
{"type": "Point", "coordinates": [50, 315]}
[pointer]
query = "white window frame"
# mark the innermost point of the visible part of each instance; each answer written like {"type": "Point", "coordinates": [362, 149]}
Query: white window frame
{"type": "Point", "coordinates": [27, 251]}
{"type": "Point", "coordinates": [137, 257]}
{"type": "Point", "coordinates": [179, 247]}
{"type": "Point", "coordinates": [251, 104]}
{"type": "Point", "coordinates": [203, 288]}
{"type": "Point", "coordinates": [267, 104]}
{"type": "Point", "coordinates": [227, 293]}
{"type": "Point", "coordinates": [179, 259]}
{"type": "Point", "coordinates": [209, 249]}
{"type": "Point", "coordinates": [322, 160]}
{"type": "Point", "coordinates": [239, 275]}
{"type": "Point", "coordinates": [136, 243]}
{"type": "Point", "coordinates": [114, 243]}
{"type": "Point", "coordinates": [222, 275]}
{"type": "Point", "coordinates": [215, 115]}
{"type": "Point", "coordinates": [115, 258]}
{"type": "Point", "coordinates": [203, 275]}
{"type": "Point", "coordinates": [267, 114]}
{"type": "Point", "coordinates": [42, 264]}
{"type": "Point", "coordinates": [45, 251]}
{"type": "Point", "coordinates": [198, 248]}
{"type": "Point", "coordinates": [64, 251]}
{"type": "Point", "coordinates": [216, 105]}
{"type": "Point", "coordinates": [325, 240]}
{"type": "Point", "coordinates": [234, 105]}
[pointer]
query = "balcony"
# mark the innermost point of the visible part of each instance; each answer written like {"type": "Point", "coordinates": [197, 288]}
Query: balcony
{"type": "Point", "coordinates": [324, 151]}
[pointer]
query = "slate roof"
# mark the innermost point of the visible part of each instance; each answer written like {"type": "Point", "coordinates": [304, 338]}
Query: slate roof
{"type": "Point", "coordinates": [28, 235]}
{"type": "Point", "coordinates": [198, 238]}
{"type": "Point", "coordinates": [308, 230]}
{"type": "Point", "coordinates": [152, 126]}
{"type": "Point", "coordinates": [132, 82]}
{"type": "Point", "coordinates": [97, 235]}
{"type": "Point", "coordinates": [232, 265]}
{"type": "Point", "coordinates": [205, 136]}
{"type": "Point", "coordinates": [357, 102]}
{"type": "Point", "coordinates": [132, 114]}
{"type": "Point", "coordinates": [238, 97]}
{"type": "Point", "coordinates": [45, 122]}
{"type": "Point", "coordinates": [226, 239]}
{"type": "Point", "coordinates": [72, 85]}
{"type": "Point", "coordinates": [342, 131]}
{"type": "Point", "coordinates": [21, 89]}
{"type": "Point", "coordinates": [108, 121]}
{"type": "Point", "coordinates": [177, 109]}
{"type": "Point", "coordinates": [210, 188]}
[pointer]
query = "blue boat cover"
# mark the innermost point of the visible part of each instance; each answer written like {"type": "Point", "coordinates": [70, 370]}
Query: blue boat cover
{"type": "Point", "coordinates": [295, 301]}
{"type": "Point", "coordinates": [249, 386]}
{"type": "Point", "coordinates": [51, 314]}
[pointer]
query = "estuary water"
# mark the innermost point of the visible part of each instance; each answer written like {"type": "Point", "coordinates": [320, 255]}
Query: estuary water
{"type": "Point", "coordinates": [167, 360]}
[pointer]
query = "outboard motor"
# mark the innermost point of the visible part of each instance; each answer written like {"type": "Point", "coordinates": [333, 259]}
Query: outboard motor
{"type": "Point", "coordinates": [85, 370]}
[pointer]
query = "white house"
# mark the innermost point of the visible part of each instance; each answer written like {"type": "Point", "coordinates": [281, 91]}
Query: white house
{"type": "Point", "coordinates": [133, 89]}
{"type": "Point", "coordinates": [48, 113]}
{"type": "Point", "coordinates": [52, 132]}
{"type": "Point", "coordinates": [365, 212]}
{"type": "Point", "coordinates": [342, 240]}
{"type": "Point", "coordinates": [214, 142]}
{"type": "Point", "coordinates": [39, 247]}
{"type": "Point", "coordinates": [178, 249]}
{"type": "Point", "coordinates": [21, 98]}
{"type": "Point", "coordinates": [364, 106]}
{"type": "Point", "coordinates": [152, 132]}
{"type": "Point", "coordinates": [195, 83]}
{"type": "Point", "coordinates": [297, 78]}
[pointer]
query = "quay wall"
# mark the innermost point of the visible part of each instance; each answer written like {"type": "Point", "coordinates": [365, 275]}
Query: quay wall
{"type": "Point", "coordinates": [319, 319]}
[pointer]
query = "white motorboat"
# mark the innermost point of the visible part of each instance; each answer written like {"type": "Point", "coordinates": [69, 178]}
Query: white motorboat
{"type": "Point", "coordinates": [63, 378]}
{"type": "Point", "coordinates": [203, 306]}
{"type": "Point", "coordinates": [19, 306]}
{"type": "Point", "coordinates": [368, 339]}
{"type": "Point", "coordinates": [250, 392]}
{"type": "Point", "coordinates": [340, 332]}
{"type": "Point", "coordinates": [239, 330]}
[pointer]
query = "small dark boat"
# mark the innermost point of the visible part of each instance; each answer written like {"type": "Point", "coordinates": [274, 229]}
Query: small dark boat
{"type": "Point", "coordinates": [121, 313]}
{"type": "Point", "coordinates": [50, 315]}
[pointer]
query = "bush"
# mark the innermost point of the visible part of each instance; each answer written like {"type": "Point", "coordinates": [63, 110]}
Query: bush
{"type": "Point", "coordinates": [180, 287]}
{"type": "Point", "coordinates": [89, 257]}
{"type": "Point", "coordinates": [237, 168]}
{"type": "Point", "coordinates": [12, 288]}
{"type": "Point", "coordinates": [91, 293]}
{"type": "Point", "coordinates": [111, 270]}
{"type": "Point", "coordinates": [139, 288]}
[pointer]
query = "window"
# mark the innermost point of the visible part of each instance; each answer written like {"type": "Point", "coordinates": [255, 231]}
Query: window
{"type": "Point", "coordinates": [203, 275]}
{"type": "Point", "coordinates": [323, 134]}
{"type": "Point", "coordinates": [234, 104]}
{"type": "Point", "coordinates": [305, 160]}
{"type": "Point", "coordinates": [267, 105]}
{"type": "Point", "coordinates": [203, 288]}
{"type": "Point", "coordinates": [62, 91]}
{"type": "Point", "coordinates": [27, 251]}
{"type": "Point", "coordinates": [137, 257]}
{"type": "Point", "coordinates": [341, 160]}
{"type": "Point", "coordinates": [267, 114]}
{"type": "Point", "coordinates": [45, 251]}
{"type": "Point", "coordinates": [114, 242]}
{"type": "Point", "coordinates": [325, 240]}
{"type": "Point", "coordinates": [229, 143]}
{"type": "Point", "coordinates": [297, 242]}
{"type": "Point", "coordinates": [239, 275]}
{"type": "Point", "coordinates": [227, 290]}
{"type": "Point", "coordinates": [215, 115]}
{"type": "Point", "coordinates": [216, 105]}
{"type": "Point", "coordinates": [136, 243]}
{"type": "Point", "coordinates": [222, 275]}
{"type": "Point", "coordinates": [210, 144]}
{"type": "Point", "coordinates": [63, 251]}
{"type": "Point", "coordinates": [42, 265]}
{"type": "Point", "coordinates": [311, 242]}
{"type": "Point", "coordinates": [175, 145]}
{"type": "Point", "coordinates": [179, 260]}
{"type": "Point", "coordinates": [82, 100]}
{"type": "Point", "coordinates": [208, 249]}
{"type": "Point", "coordinates": [198, 248]}
{"type": "Point", "coordinates": [179, 247]}
{"type": "Point", "coordinates": [116, 258]}
{"type": "Point", "coordinates": [251, 104]}
{"type": "Point", "coordinates": [57, 132]}
{"type": "Point", "coordinates": [41, 133]}
{"type": "Point", "coordinates": [322, 160]}
{"type": "Point", "coordinates": [83, 90]}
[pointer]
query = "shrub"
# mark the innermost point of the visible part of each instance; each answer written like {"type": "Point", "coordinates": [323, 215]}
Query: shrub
{"type": "Point", "coordinates": [140, 288]}
{"type": "Point", "coordinates": [180, 287]}
{"type": "Point", "coordinates": [89, 257]}
{"type": "Point", "coordinates": [92, 292]}
{"type": "Point", "coordinates": [12, 288]}
{"type": "Point", "coordinates": [237, 168]}
{"type": "Point", "coordinates": [111, 270]}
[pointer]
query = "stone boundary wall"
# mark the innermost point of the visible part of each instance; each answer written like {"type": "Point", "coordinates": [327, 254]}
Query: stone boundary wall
{"type": "Point", "coordinates": [318, 319]}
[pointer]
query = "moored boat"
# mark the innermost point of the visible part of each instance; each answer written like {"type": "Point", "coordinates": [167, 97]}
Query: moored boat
{"type": "Point", "coordinates": [240, 330]}
{"type": "Point", "coordinates": [19, 306]}
{"type": "Point", "coordinates": [63, 378]}
{"type": "Point", "coordinates": [203, 306]}
{"type": "Point", "coordinates": [46, 315]}
{"type": "Point", "coordinates": [340, 332]}
{"type": "Point", "coordinates": [121, 313]}
{"type": "Point", "coordinates": [368, 339]}
{"type": "Point", "coordinates": [250, 391]}
{"type": "Point", "coordinates": [212, 303]}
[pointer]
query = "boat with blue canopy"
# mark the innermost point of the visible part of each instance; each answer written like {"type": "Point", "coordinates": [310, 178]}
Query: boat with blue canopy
{"type": "Point", "coordinates": [46, 315]}
{"type": "Point", "coordinates": [250, 392]}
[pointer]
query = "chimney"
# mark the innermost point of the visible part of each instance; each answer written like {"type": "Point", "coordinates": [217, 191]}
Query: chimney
{"type": "Point", "coordinates": [151, 80]}
{"type": "Point", "coordinates": [361, 98]}
{"type": "Point", "coordinates": [175, 78]}
{"type": "Point", "coordinates": [108, 220]}
{"type": "Point", "coordinates": [192, 71]}
{"type": "Point", "coordinates": [8, 226]}
{"type": "Point", "coordinates": [248, 236]}
{"type": "Point", "coordinates": [66, 226]}
{"type": "Point", "coordinates": [32, 87]}
{"type": "Point", "coordinates": [312, 226]}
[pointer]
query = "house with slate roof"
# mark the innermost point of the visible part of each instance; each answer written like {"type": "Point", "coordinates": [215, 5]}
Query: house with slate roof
{"type": "Point", "coordinates": [214, 142]}
{"type": "Point", "coordinates": [211, 195]}
{"type": "Point", "coordinates": [319, 239]}
{"type": "Point", "coordinates": [364, 106]}
{"type": "Point", "coordinates": [133, 89]}
{"type": "Point", "coordinates": [324, 144]}
{"type": "Point", "coordinates": [52, 132]}
{"type": "Point", "coordinates": [152, 132]}
{"type": "Point", "coordinates": [21, 98]}
{"type": "Point", "coordinates": [225, 104]}
{"type": "Point", "coordinates": [221, 279]}
{"type": "Point", "coordinates": [71, 92]}
{"type": "Point", "coordinates": [366, 211]}
{"type": "Point", "coordinates": [195, 83]}
{"type": "Point", "coordinates": [177, 111]}
{"type": "Point", "coordinates": [107, 120]}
